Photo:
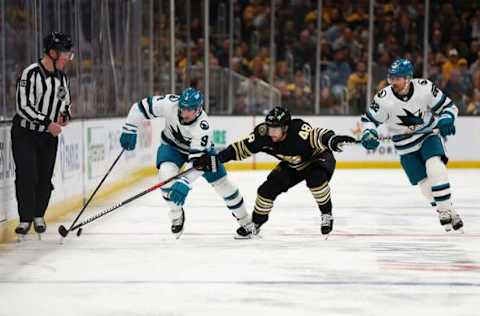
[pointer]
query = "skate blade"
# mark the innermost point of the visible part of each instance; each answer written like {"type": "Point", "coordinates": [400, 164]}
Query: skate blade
{"type": "Point", "coordinates": [239, 237]}
{"type": "Point", "coordinates": [251, 236]}
{"type": "Point", "coordinates": [178, 235]}
{"type": "Point", "coordinates": [448, 227]}
{"type": "Point", "coordinates": [21, 238]}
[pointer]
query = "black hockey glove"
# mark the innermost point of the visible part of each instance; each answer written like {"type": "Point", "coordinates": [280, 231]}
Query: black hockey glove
{"type": "Point", "coordinates": [337, 141]}
{"type": "Point", "coordinates": [206, 162]}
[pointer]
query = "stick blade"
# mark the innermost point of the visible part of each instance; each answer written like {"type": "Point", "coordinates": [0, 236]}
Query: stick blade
{"type": "Point", "coordinates": [62, 231]}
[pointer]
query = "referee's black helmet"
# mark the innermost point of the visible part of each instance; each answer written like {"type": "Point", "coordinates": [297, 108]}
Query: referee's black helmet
{"type": "Point", "coordinates": [57, 41]}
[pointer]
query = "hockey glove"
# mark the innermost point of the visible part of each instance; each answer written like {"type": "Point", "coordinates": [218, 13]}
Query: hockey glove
{"type": "Point", "coordinates": [370, 139]}
{"type": "Point", "coordinates": [179, 191]}
{"type": "Point", "coordinates": [336, 142]}
{"type": "Point", "coordinates": [206, 162]}
{"type": "Point", "coordinates": [128, 139]}
{"type": "Point", "coordinates": [445, 125]}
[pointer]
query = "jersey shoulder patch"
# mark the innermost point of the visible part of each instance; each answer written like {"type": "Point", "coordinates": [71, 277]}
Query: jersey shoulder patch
{"type": "Point", "coordinates": [423, 82]}
{"type": "Point", "coordinates": [382, 93]}
{"type": "Point", "coordinates": [262, 129]}
{"type": "Point", "coordinates": [204, 125]}
{"type": "Point", "coordinates": [173, 97]}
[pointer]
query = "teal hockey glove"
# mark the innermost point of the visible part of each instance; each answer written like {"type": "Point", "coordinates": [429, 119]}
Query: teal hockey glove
{"type": "Point", "coordinates": [445, 125]}
{"type": "Point", "coordinates": [128, 139]}
{"type": "Point", "coordinates": [370, 139]}
{"type": "Point", "coordinates": [179, 191]}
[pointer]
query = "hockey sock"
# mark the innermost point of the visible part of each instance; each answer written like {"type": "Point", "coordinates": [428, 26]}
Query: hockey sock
{"type": "Point", "coordinates": [321, 194]}
{"type": "Point", "coordinates": [261, 210]}
{"type": "Point", "coordinates": [426, 189]}
{"type": "Point", "coordinates": [167, 170]}
{"type": "Point", "coordinates": [438, 179]}
{"type": "Point", "coordinates": [232, 197]}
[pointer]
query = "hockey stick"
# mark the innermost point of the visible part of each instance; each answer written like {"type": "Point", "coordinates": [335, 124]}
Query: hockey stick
{"type": "Point", "coordinates": [389, 138]}
{"type": "Point", "coordinates": [111, 209]}
{"type": "Point", "coordinates": [61, 229]}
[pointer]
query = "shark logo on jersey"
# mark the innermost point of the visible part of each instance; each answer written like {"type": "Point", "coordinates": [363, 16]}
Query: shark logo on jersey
{"type": "Point", "coordinates": [411, 120]}
{"type": "Point", "coordinates": [179, 137]}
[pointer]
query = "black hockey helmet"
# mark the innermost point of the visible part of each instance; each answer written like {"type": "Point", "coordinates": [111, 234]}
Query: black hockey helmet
{"type": "Point", "coordinates": [58, 41]}
{"type": "Point", "coordinates": [278, 117]}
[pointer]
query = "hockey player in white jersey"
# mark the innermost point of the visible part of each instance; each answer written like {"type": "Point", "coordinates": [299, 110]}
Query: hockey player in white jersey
{"type": "Point", "coordinates": [414, 110]}
{"type": "Point", "coordinates": [186, 136]}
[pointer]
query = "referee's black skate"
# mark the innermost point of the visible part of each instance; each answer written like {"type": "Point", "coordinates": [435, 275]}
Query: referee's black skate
{"type": "Point", "coordinates": [22, 230]}
{"type": "Point", "coordinates": [177, 226]}
{"type": "Point", "coordinates": [40, 226]}
{"type": "Point", "coordinates": [327, 224]}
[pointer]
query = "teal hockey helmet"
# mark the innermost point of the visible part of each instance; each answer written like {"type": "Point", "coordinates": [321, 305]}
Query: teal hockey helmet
{"type": "Point", "coordinates": [190, 99]}
{"type": "Point", "coordinates": [401, 68]}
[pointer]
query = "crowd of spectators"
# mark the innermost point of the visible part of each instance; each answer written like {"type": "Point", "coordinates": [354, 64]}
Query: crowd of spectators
{"type": "Point", "coordinates": [453, 60]}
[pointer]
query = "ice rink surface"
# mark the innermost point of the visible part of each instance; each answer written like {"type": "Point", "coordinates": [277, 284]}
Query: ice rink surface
{"type": "Point", "coordinates": [388, 255]}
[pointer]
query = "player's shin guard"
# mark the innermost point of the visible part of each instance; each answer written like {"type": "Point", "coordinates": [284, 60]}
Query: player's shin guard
{"type": "Point", "coordinates": [176, 212]}
{"type": "Point", "coordinates": [234, 200]}
{"type": "Point", "coordinates": [426, 189]}
{"type": "Point", "coordinates": [261, 210]}
{"type": "Point", "coordinates": [440, 188]}
{"type": "Point", "coordinates": [322, 197]}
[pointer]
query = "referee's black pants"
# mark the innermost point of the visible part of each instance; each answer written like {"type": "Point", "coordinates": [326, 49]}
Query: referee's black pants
{"type": "Point", "coordinates": [34, 154]}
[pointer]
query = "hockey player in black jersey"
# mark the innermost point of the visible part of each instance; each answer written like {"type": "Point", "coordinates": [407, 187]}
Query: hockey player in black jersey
{"type": "Point", "coordinates": [305, 153]}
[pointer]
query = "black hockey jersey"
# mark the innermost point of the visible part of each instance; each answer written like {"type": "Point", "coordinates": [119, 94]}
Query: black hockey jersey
{"type": "Point", "coordinates": [299, 149]}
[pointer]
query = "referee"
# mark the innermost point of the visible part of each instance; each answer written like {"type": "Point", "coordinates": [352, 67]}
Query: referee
{"type": "Point", "coordinates": [42, 109]}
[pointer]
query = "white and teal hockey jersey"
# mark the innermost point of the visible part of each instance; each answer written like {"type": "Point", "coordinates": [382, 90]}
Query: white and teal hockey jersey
{"type": "Point", "coordinates": [193, 138]}
{"type": "Point", "coordinates": [418, 110]}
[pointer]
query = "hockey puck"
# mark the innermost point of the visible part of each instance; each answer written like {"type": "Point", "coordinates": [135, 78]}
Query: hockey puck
{"type": "Point", "coordinates": [62, 231]}
{"type": "Point", "coordinates": [79, 232]}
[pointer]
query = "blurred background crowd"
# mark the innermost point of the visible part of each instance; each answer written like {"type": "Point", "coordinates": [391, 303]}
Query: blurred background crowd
{"type": "Point", "coordinates": [124, 51]}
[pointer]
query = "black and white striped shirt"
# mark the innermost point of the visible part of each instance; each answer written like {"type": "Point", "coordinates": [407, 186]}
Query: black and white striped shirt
{"type": "Point", "coordinates": [41, 97]}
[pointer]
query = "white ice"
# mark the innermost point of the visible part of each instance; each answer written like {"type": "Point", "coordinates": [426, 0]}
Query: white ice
{"type": "Point", "coordinates": [388, 255]}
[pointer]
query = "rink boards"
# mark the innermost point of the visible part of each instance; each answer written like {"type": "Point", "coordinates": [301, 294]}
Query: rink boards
{"type": "Point", "coordinates": [87, 148]}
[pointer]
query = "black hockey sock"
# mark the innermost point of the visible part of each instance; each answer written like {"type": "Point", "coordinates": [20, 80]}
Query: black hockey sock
{"type": "Point", "coordinates": [259, 219]}
{"type": "Point", "coordinates": [326, 208]}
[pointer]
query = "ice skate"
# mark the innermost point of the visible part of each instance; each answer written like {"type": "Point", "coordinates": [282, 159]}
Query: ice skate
{"type": "Point", "coordinates": [457, 223]}
{"type": "Point", "coordinates": [247, 231]}
{"type": "Point", "coordinates": [177, 225]}
{"type": "Point", "coordinates": [445, 219]}
{"type": "Point", "coordinates": [22, 230]}
{"type": "Point", "coordinates": [327, 224]}
{"type": "Point", "coordinates": [40, 226]}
